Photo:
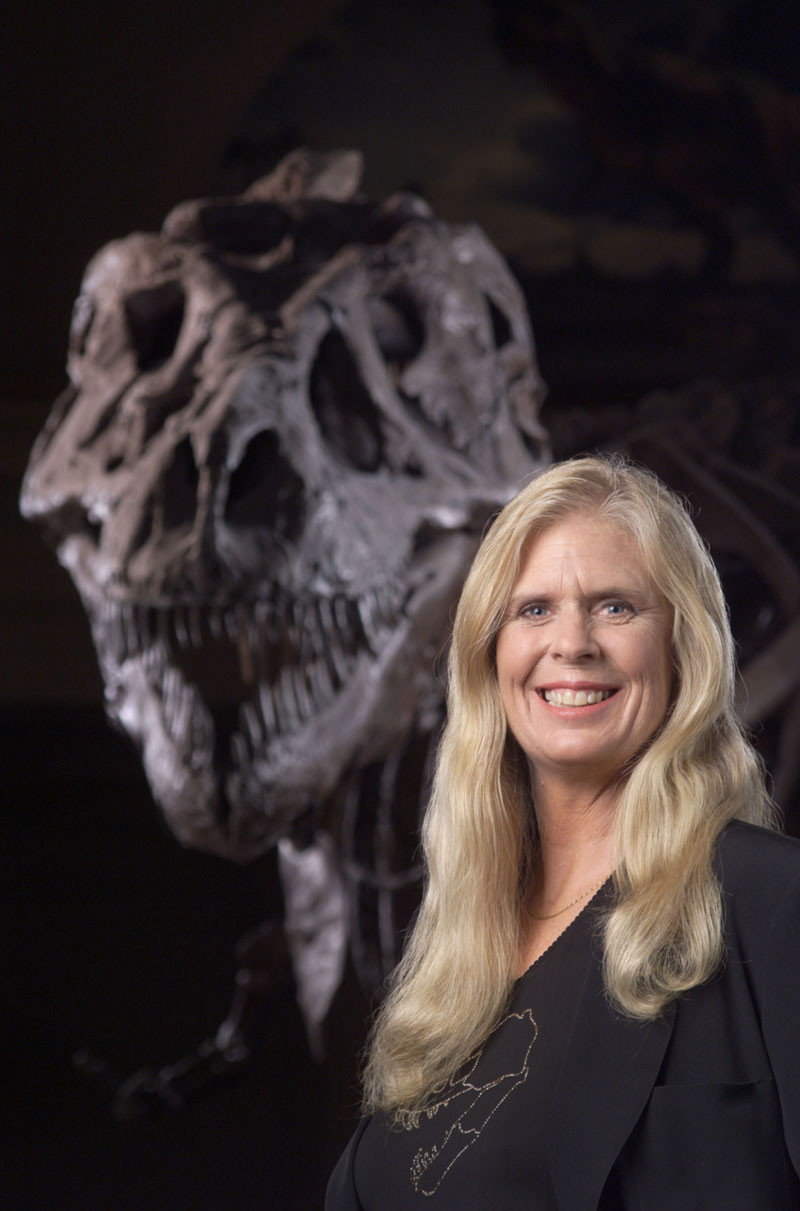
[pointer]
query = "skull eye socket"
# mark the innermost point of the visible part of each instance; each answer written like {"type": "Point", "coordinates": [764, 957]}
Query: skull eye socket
{"type": "Point", "coordinates": [398, 329]}
{"type": "Point", "coordinates": [345, 413]}
{"type": "Point", "coordinates": [155, 319]}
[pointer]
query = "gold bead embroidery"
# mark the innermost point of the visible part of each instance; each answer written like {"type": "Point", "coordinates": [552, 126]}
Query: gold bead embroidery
{"type": "Point", "coordinates": [462, 1134]}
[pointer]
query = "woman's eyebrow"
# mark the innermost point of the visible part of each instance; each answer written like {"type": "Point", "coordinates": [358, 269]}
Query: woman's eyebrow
{"type": "Point", "coordinates": [520, 599]}
{"type": "Point", "coordinates": [636, 592]}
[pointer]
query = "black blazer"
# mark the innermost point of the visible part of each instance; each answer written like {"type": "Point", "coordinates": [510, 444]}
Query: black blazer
{"type": "Point", "coordinates": [700, 1110]}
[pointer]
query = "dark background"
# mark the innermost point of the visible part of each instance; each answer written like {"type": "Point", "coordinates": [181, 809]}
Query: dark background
{"type": "Point", "coordinates": [640, 167]}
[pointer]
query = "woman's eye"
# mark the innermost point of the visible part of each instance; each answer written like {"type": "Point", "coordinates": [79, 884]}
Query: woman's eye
{"type": "Point", "coordinates": [617, 609]}
{"type": "Point", "coordinates": [533, 611]}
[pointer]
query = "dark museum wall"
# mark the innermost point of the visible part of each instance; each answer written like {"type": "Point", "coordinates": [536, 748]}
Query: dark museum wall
{"type": "Point", "coordinates": [639, 166]}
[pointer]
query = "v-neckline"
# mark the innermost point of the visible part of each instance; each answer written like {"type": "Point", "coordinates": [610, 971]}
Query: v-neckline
{"type": "Point", "coordinates": [559, 936]}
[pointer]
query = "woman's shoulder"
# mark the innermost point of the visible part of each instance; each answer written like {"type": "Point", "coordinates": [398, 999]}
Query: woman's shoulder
{"type": "Point", "coordinates": [745, 849]}
{"type": "Point", "coordinates": [341, 1193]}
{"type": "Point", "coordinates": [759, 870]}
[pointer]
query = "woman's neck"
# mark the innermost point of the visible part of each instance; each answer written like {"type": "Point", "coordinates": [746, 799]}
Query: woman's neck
{"type": "Point", "coordinates": [575, 826]}
{"type": "Point", "coordinates": [572, 864]}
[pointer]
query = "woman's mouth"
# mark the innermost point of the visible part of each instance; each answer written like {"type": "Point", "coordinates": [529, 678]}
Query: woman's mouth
{"type": "Point", "coordinates": [564, 697]}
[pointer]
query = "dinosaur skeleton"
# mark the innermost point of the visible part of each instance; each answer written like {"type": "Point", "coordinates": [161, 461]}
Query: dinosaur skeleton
{"type": "Point", "coordinates": [289, 417]}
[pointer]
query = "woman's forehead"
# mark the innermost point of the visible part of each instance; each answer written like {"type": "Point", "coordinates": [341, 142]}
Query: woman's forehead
{"type": "Point", "coordinates": [588, 547]}
{"type": "Point", "coordinates": [580, 531]}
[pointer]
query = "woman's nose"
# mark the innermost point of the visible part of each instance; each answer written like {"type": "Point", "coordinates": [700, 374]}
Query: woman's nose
{"type": "Point", "coordinates": [573, 637]}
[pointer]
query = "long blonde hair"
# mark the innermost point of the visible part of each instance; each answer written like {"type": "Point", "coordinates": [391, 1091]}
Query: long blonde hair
{"type": "Point", "coordinates": [664, 934]}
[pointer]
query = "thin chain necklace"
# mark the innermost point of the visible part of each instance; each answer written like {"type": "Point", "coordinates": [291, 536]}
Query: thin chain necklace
{"type": "Point", "coordinates": [548, 916]}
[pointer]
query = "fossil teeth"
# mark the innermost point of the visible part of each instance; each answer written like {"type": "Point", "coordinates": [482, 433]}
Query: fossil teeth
{"type": "Point", "coordinates": [181, 630]}
{"type": "Point", "coordinates": [330, 641]}
{"type": "Point", "coordinates": [251, 724]}
{"type": "Point", "coordinates": [293, 630]}
{"type": "Point", "coordinates": [267, 704]}
{"type": "Point", "coordinates": [287, 697]}
{"type": "Point", "coordinates": [239, 750]}
{"type": "Point", "coordinates": [282, 722]}
{"type": "Point", "coordinates": [317, 689]}
{"type": "Point", "coordinates": [301, 695]}
{"type": "Point", "coordinates": [369, 623]}
{"type": "Point", "coordinates": [342, 664]}
{"type": "Point", "coordinates": [342, 616]}
{"type": "Point", "coordinates": [321, 683]}
{"type": "Point", "coordinates": [153, 661]}
{"type": "Point", "coordinates": [303, 625]}
{"type": "Point", "coordinates": [326, 618]}
{"type": "Point", "coordinates": [384, 606]}
{"type": "Point", "coordinates": [216, 623]}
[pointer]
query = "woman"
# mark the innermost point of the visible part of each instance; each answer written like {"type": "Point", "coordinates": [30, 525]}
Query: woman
{"type": "Point", "coordinates": [599, 1006]}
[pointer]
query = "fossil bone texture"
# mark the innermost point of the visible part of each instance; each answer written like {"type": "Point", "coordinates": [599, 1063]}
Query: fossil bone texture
{"type": "Point", "coordinates": [290, 415]}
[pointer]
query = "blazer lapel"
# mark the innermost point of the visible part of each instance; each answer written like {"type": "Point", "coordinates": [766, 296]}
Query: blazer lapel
{"type": "Point", "coordinates": [610, 1066]}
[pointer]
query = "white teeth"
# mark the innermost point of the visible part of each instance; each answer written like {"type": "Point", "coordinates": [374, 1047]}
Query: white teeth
{"type": "Point", "coordinates": [575, 697]}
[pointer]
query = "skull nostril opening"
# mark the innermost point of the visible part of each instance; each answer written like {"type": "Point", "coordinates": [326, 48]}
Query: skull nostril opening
{"type": "Point", "coordinates": [345, 411]}
{"type": "Point", "coordinates": [69, 519]}
{"type": "Point", "coordinates": [265, 492]}
{"type": "Point", "coordinates": [155, 319]}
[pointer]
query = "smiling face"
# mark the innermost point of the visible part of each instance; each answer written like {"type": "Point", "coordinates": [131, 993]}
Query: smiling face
{"type": "Point", "coordinates": [583, 656]}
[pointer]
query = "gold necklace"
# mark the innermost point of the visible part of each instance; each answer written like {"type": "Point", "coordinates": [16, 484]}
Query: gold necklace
{"type": "Point", "coordinates": [548, 916]}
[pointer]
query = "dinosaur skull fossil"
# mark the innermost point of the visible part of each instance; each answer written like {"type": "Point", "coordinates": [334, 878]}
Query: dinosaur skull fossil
{"type": "Point", "coordinates": [289, 418]}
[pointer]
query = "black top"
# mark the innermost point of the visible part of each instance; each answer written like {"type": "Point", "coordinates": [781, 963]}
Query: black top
{"type": "Point", "coordinates": [700, 1106]}
{"type": "Point", "coordinates": [483, 1141]}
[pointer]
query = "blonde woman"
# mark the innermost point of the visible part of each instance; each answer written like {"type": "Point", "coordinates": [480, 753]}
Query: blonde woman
{"type": "Point", "coordinates": [599, 1006]}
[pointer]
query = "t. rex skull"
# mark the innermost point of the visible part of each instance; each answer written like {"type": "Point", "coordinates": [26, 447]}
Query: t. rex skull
{"type": "Point", "coordinates": [289, 418]}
